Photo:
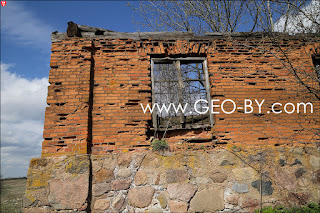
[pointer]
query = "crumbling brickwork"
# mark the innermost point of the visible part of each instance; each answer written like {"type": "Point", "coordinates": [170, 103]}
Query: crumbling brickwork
{"type": "Point", "coordinates": [98, 80]}
{"type": "Point", "coordinates": [66, 122]}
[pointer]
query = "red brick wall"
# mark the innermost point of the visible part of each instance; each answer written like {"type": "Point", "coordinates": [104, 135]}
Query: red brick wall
{"type": "Point", "coordinates": [66, 118]}
{"type": "Point", "coordinates": [122, 82]}
{"type": "Point", "coordinates": [240, 72]}
{"type": "Point", "coordinates": [119, 70]}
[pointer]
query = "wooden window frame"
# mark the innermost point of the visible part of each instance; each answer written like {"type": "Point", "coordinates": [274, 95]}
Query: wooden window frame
{"type": "Point", "coordinates": [177, 63]}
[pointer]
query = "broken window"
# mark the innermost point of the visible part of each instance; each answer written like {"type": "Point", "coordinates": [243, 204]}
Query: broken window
{"type": "Point", "coordinates": [180, 94]}
{"type": "Point", "coordinates": [316, 63]}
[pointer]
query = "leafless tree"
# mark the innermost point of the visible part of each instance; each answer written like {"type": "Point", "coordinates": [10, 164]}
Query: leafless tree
{"type": "Point", "coordinates": [201, 16]}
{"type": "Point", "coordinates": [295, 16]}
{"type": "Point", "coordinates": [193, 16]}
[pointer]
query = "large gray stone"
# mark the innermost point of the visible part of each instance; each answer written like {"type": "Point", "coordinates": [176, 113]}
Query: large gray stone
{"type": "Point", "coordinates": [68, 193]}
{"type": "Point", "coordinates": [178, 206]}
{"type": "Point", "coordinates": [140, 178]}
{"type": "Point", "coordinates": [99, 189]}
{"type": "Point", "coordinates": [110, 162]}
{"type": "Point", "coordinates": [96, 165]}
{"type": "Point", "coordinates": [124, 159]}
{"type": "Point", "coordinates": [103, 175]}
{"type": "Point", "coordinates": [177, 175]}
{"type": "Point", "coordinates": [101, 204]}
{"type": "Point", "coordinates": [40, 196]}
{"type": "Point", "coordinates": [124, 173]}
{"type": "Point", "coordinates": [218, 177]}
{"type": "Point", "coordinates": [140, 197]}
{"type": "Point", "coordinates": [78, 165]}
{"type": "Point", "coordinates": [240, 188]}
{"type": "Point", "coordinates": [181, 191]}
{"type": "Point", "coordinates": [315, 161]}
{"type": "Point", "coordinates": [121, 184]}
{"type": "Point", "coordinates": [207, 200]}
{"type": "Point", "coordinates": [266, 187]}
{"type": "Point", "coordinates": [118, 203]}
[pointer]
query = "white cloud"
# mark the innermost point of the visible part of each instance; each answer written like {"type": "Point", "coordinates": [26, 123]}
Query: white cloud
{"type": "Point", "coordinates": [23, 105]}
{"type": "Point", "coordinates": [19, 24]}
{"type": "Point", "coordinates": [19, 95]}
{"type": "Point", "coordinates": [302, 22]}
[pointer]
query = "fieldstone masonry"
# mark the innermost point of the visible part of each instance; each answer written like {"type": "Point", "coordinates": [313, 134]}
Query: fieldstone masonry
{"type": "Point", "coordinates": [96, 154]}
{"type": "Point", "coordinates": [185, 182]}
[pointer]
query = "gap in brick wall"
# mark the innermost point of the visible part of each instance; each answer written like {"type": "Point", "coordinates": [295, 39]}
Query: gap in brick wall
{"type": "Point", "coordinates": [69, 137]}
{"type": "Point", "coordinates": [140, 145]}
{"type": "Point", "coordinates": [263, 138]}
{"type": "Point", "coordinates": [199, 140]}
{"type": "Point", "coordinates": [60, 104]}
{"type": "Point", "coordinates": [63, 114]}
{"type": "Point", "coordinates": [131, 124]}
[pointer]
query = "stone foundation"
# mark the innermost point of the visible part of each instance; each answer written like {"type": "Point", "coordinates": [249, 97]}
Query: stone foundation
{"type": "Point", "coordinates": [224, 180]}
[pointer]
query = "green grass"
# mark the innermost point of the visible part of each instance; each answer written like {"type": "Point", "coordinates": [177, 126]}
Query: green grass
{"type": "Point", "coordinates": [311, 208]}
{"type": "Point", "coordinates": [12, 191]}
{"type": "Point", "coordinates": [159, 145]}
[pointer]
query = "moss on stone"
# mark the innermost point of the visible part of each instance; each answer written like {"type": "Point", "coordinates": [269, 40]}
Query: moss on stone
{"type": "Point", "coordinates": [77, 165]}
{"type": "Point", "coordinates": [35, 162]}
{"type": "Point", "coordinates": [39, 179]}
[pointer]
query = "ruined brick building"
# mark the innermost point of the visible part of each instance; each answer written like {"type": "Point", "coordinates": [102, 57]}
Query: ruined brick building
{"type": "Point", "coordinates": [99, 79]}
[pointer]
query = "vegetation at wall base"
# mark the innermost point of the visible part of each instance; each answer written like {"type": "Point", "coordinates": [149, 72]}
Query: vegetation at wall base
{"type": "Point", "coordinates": [159, 145]}
{"type": "Point", "coordinates": [311, 208]}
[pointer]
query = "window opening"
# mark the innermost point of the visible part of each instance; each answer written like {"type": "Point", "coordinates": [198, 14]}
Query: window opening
{"type": "Point", "coordinates": [180, 82]}
{"type": "Point", "coordinates": [316, 63]}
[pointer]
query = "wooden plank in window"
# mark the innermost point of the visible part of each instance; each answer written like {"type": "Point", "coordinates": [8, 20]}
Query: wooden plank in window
{"type": "Point", "coordinates": [154, 113]}
{"type": "Point", "coordinates": [180, 88]}
{"type": "Point", "coordinates": [207, 86]}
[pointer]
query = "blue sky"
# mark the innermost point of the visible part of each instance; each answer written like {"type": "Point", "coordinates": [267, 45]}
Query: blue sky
{"type": "Point", "coordinates": [26, 28]}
